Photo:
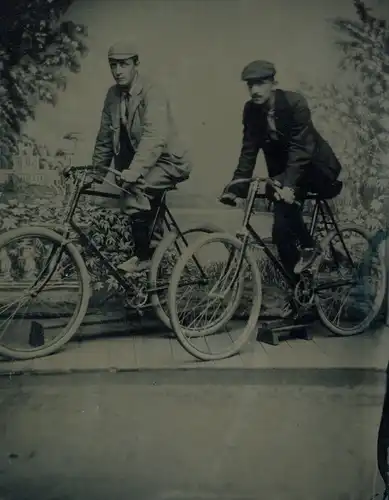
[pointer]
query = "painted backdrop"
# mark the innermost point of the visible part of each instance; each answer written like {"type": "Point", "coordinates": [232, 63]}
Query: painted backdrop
{"type": "Point", "coordinates": [197, 48]}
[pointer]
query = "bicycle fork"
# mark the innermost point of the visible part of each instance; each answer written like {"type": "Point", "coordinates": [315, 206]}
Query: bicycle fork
{"type": "Point", "coordinates": [50, 267]}
{"type": "Point", "coordinates": [221, 294]}
{"type": "Point", "coordinates": [244, 236]}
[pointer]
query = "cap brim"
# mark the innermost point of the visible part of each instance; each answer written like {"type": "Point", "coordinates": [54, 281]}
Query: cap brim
{"type": "Point", "coordinates": [120, 57]}
{"type": "Point", "coordinates": [258, 79]}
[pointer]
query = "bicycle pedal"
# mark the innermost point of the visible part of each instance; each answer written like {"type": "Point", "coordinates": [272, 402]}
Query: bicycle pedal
{"type": "Point", "coordinates": [241, 234]}
{"type": "Point", "coordinates": [138, 274]}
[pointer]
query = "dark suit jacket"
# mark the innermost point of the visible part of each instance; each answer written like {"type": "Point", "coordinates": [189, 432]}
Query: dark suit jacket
{"type": "Point", "coordinates": [299, 147]}
{"type": "Point", "coordinates": [383, 435]}
{"type": "Point", "coordinates": [151, 130]}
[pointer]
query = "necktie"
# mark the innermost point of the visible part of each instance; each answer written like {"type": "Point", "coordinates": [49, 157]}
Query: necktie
{"type": "Point", "coordinates": [272, 124]}
{"type": "Point", "coordinates": [124, 108]}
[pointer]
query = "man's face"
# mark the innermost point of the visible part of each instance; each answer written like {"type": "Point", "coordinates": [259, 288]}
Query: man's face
{"type": "Point", "coordinates": [123, 71]}
{"type": "Point", "coordinates": [260, 91]}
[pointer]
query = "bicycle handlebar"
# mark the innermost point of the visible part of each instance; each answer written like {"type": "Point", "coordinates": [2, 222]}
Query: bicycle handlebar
{"type": "Point", "coordinates": [266, 180]}
{"type": "Point", "coordinates": [230, 199]}
{"type": "Point", "coordinates": [92, 168]}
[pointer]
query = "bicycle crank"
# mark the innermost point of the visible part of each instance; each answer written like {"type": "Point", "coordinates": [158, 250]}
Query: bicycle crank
{"type": "Point", "coordinates": [139, 300]}
{"type": "Point", "coordinates": [304, 290]}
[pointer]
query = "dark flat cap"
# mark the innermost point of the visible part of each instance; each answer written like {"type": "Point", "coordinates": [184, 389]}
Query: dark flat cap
{"type": "Point", "coordinates": [258, 70]}
{"type": "Point", "coordinates": [122, 50]}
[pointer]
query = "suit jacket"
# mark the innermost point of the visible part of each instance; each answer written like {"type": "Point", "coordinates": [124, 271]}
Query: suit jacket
{"type": "Point", "coordinates": [151, 130]}
{"type": "Point", "coordinates": [383, 435]}
{"type": "Point", "coordinates": [299, 146]}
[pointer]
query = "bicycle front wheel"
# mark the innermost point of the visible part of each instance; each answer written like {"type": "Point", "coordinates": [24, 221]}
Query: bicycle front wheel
{"type": "Point", "coordinates": [349, 281]}
{"type": "Point", "coordinates": [214, 311]}
{"type": "Point", "coordinates": [44, 292]}
{"type": "Point", "coordinates": [164, 259]}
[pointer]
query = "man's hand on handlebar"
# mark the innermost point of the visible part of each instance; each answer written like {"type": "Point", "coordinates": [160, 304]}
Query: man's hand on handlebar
{"type": "Point", "coordinates": [285, 194]}
{"type": "Point", "coordinates": [130, 176]}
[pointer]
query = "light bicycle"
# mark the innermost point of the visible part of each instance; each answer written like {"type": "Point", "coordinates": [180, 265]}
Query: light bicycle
{"type": "Point", "coordinates": [345, 285]}
{"type": "Point", "coordinates": [45, 283]}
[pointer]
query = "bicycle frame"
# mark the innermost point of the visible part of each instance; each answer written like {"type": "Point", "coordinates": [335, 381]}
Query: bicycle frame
{"type": "Point", "coordinates": [321, 207]}
{"type": "Point", "coordinates": [83, 188]}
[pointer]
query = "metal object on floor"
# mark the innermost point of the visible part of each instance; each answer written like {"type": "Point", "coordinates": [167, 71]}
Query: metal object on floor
{"type": "Point", "coordinates": [37, 334]}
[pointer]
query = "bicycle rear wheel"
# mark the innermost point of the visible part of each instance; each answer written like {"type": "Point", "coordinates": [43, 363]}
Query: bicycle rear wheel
{"type": "Point", "coordinates": [229, 280]}
{"type": "Point", "coordinates": [349, 281]}
{"type": "Point", "coordinates": [44, 292]}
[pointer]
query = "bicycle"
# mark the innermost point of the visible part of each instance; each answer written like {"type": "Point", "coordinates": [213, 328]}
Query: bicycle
{"type": "Point", "coordinates": [64, 253]}
{"type": "Point", "coordinates": [309, 294]}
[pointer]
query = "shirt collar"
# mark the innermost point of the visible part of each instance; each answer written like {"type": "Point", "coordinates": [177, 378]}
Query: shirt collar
{"type": "Point", "coordinates": [130, 90]}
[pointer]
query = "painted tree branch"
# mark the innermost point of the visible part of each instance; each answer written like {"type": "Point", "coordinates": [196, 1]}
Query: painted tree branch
{"type": "Point", "coordinates": [37, 49]}
{"type": "Point", "coordinates": [357, 113]}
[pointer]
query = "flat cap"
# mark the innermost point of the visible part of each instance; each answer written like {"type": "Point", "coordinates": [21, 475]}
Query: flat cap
{"type": "Point", "coordinates": [122, 50]}
{"type": "Point", "coordinates": [258, 70]}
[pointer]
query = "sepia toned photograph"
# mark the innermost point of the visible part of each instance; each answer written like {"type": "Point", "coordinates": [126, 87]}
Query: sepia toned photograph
{"type": "Point", "coordinates": [194, 249]}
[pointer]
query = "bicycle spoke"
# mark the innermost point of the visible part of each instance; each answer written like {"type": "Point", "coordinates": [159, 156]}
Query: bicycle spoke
{"type": "Point", "coordinates": [356, 282]}
{"type": "Point", "coordinates": [9, 319]}
{"type": "Point", "coordinates": [40, 290]}
{"type": "Point", "coordinates": [204, 317]}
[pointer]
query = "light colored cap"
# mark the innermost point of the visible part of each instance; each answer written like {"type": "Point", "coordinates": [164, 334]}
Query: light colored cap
{"type": "Point", "coordinates": [122, 50]}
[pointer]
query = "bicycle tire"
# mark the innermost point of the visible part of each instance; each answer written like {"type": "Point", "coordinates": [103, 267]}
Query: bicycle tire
{"type": "Point", "coordinates": [232, 307]}
{"type": "Point", "coordinates": [255, 310]}
{"type": "Point", "coordinates": [166, 243]}
{"type": "Point", "coordinates": [82, 306]}
{"type": "Point", "coordinates": [379, 298]}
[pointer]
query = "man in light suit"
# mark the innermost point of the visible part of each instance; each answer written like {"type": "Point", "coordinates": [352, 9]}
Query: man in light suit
{"type": "Point", "coordinates": [138, 132]}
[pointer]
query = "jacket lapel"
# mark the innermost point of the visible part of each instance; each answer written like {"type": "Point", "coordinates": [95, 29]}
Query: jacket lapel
{"type": "Point", "coordinates": [281, 112]}
{"type": "Point", "coordinates": [115, 116]}
{"type": "Point", "coordinates": [116, 109]}
{"type": "Point", "coordinates": [135, 100]}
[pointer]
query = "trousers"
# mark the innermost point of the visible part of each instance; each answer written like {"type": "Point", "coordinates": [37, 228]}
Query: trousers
{"type": "Point", "coordinates": [143, 201]}
{"type": "Point", "coordinates": [147, 221]}
{"type": "Point", "coordinates": [289, 228]}
{"type": "Point", "coordinates": [383, 437]}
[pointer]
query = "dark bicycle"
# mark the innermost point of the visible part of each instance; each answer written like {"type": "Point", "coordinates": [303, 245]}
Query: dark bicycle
{"type": "Point", "coordinates": [347, 269]}
{"type": "Point", "coordinates": [50, 269]}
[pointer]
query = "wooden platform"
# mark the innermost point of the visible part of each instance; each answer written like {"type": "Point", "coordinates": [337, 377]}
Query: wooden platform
{"type": "Point", "coordinates": [144, 347]}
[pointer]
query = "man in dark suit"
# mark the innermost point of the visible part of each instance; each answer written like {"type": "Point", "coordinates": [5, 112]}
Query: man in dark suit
{"type": "Point", "coordinates": [297, 157]}
{"type": "Point", "coordinates": [383, 440]}
{"type": "Point", "coordinates": [138, 132]}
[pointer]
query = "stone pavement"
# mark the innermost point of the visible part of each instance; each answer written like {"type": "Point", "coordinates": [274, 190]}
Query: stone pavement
{"type": "Point", "coordinates": [151, 351]}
